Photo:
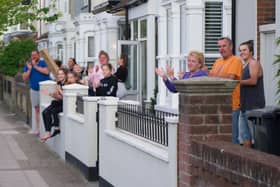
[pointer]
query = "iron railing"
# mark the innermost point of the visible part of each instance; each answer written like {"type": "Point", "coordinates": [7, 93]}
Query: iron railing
{"type": "Point", "coordinates": [144, 122]}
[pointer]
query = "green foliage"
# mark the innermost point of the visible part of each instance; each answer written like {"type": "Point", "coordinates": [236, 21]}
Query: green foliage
{"type": "Point", "coordinates": [13, 13]}
{"type": "Point", "coordinates": [154, 99]}
{"type": "Point", "coordinates": [14, 55]}
{"type": "Point", "coordinates": [277, 62]}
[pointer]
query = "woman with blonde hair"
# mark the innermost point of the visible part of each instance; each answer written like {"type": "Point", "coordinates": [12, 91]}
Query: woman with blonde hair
{"type": "Point", "coordinates": [196, 67]}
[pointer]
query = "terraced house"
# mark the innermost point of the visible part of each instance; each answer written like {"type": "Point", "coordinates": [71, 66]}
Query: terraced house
{"type": "Point", "coordinates": [155, 33]}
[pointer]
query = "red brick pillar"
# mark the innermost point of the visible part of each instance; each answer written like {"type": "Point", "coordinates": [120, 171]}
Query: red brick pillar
{"type": "Point", "coordinates": [205, 114]}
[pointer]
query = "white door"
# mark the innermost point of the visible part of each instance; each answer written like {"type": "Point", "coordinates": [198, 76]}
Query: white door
{"type": "Point", "coordinates": [267, 56]}
{"type": "Point", "coordinates": [134, 81]}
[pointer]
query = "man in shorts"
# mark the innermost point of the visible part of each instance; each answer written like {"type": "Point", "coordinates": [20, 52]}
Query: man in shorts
{"type": "Point", "coordinates": [230, 67]}
{"type": "Point", "coordinates": [36, 71]}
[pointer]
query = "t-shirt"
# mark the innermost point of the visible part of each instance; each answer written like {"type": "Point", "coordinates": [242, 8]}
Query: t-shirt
{"type": "Point", "coordinates": [36, 76]}
{"type": "Point", "coordinates": [95, 76]}
{"type": "Point", "coordinates": [222, 68]}
{"type": "Point", "coordinates": [171, 87]}
{"type": "Point", "coordinates": [108, 87]}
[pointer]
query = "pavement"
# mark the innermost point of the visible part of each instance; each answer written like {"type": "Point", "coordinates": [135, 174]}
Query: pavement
{"type": "Point", "coordinates": [26, 162]}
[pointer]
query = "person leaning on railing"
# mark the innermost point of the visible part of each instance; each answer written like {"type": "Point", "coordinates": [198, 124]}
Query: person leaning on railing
{"type": "Point", "coordinates": [196, 66]}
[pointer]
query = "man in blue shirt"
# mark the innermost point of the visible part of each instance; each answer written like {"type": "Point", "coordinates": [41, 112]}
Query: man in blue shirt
{"type": "Point", "coordinates": [36, 71]}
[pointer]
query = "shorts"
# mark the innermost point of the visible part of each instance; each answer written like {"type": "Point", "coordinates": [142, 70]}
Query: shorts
{"type": "Point", "coordinates": [246, 128]}
{"type": "Point", "coordinates": [35, 98]}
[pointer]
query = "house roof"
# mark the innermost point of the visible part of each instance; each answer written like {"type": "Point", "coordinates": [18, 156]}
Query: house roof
{"type": "Point", "coordinates": [113, 6]}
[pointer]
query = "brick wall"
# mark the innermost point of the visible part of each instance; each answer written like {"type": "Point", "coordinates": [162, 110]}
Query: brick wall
{"type": "Point", "coordinates": [223, 164]}
{"type": "Point", "coordinates": [205, 114]}
{"type": "Point", "coordinates": [205, 118]}
{"type": "Point", "coordinates": [265, 15]}
{"type": "Point", "coordinates": [206, 157]}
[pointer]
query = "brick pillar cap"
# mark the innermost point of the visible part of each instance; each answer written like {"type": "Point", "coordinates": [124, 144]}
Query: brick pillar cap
{"type": "Point", "coordinates": [205, 85]}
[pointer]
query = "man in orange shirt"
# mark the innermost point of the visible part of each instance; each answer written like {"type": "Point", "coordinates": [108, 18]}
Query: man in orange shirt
{"type": "Point", "coordinates": [230, 67]}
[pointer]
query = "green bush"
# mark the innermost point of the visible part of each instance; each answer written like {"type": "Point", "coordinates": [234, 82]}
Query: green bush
{"type": "Point", "coordinates": [277, 63]}
{"type": "Point", "coordinates": [13, 56]}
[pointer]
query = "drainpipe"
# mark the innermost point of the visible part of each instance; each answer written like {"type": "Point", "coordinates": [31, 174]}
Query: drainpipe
{"type": "Point", "coordinates": [233, 27]}
{"type": "Point", "coordinates": [89, 6]}
{"type": "Point", "coordinates": [126, 24]}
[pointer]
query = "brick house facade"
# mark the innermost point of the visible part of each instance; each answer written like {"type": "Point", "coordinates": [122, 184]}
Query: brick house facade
{"type": "Point", "coordinates": [265, 15]}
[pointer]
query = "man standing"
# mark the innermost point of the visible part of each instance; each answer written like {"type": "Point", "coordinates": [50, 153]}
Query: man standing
{"type": "Point", "coordinates": [36, 71]}
{"type": "Point", "coordinates": [230, 67]}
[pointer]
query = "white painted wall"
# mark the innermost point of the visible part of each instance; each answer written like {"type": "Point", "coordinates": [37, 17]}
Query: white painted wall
{"type": "Point", "coordinates": [277, 18]}
{"type": "Point", "coordinates": [194, 19]}
{"type": "Point", "coordinates": [267, 57]}
{"type": "Point", "coordinates": [57, 143]}
{"type": "Point", "coordinates": [81, 133]}
{"type": "Point", "coordinates": [127, 160]}
{"type": "Point", "coordinates": [246, 16]}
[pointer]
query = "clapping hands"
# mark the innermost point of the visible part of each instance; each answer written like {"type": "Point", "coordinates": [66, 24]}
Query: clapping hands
{"type": "Point", "coordinates": [169, 73]}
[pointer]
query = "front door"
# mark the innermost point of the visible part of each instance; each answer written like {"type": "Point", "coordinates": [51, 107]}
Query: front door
{"type": "Point", "coordinates": [134, 80]}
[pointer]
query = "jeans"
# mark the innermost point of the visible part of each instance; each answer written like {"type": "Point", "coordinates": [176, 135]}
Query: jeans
{"type": "Point", "coordinates": [235, 130]}
{"type": "Point", "coordinates": [246, 130]}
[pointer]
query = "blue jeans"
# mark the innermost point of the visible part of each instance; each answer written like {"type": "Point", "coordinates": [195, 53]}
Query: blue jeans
{"type": "Point", "coordinates": [235, 131]}
{"type": "Point", "coordinates": [246, 129]}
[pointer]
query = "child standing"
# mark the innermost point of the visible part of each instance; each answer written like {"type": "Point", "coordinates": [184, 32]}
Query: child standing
{"type": "Point", "coordinates": [109, 84]}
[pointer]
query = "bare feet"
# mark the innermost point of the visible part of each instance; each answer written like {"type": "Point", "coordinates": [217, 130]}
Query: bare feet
{"type": "Point", "coordinates": [37, 132]}
{"type": "Point", "coordinates": [45, 137]}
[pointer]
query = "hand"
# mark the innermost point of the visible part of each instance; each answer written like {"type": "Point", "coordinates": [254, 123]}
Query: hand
{"type": "Point", "coordinates": [96, 84]}
{"type": "Point", "coordinates": [90, 70]}
{"type": "Point", "coordinates": [29, 66]}
{"type": "Point", "coordinates": [34, 63]}
{"type": "Point", "coordinates": [180, 75]}
{"type": "Point", "coordinates": [96, 68]}
{"type": "Point", "coordinates": [205, 68]}
{"type": "Point", "coordinates": [160, 72]}
{"type": "Point", "coordinates": [45, 91]}
{"type": "Point", "coordinates": [170, 72]}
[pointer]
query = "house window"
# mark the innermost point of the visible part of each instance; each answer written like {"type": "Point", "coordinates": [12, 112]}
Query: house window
{"type": "Point", "coordinates": [135, 30]}
{"type": "Point", "coordinates": [143, 28]}
{"type": "Point", "coordinates": [139, 33]}
{"type": "Point", "coordinates": [213, 30]}
{"type": "Point", "coordinates": [91, 46]}
{"type": "Point", "coordinates": [84, 3]}
{"type": "Point", "coordinates": [60, 52]}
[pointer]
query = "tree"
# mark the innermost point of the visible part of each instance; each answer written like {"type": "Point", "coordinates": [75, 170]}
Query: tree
{"type": "Point", "coordinates": [13, 12]}
{"type": "Point", "coordinates": [13, 56]}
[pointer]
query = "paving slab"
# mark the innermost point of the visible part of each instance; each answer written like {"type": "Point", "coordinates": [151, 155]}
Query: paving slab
{"type": "Point", "coordinates": [25, 161]}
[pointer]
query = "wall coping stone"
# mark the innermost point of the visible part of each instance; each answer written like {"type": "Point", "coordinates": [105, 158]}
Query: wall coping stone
{"type": "Point", "coordinates": [74, 87]}
{"type": "Point", "coordinates": [260, 167]}
{"type": "Point", "coordinates": [48, 82]}
{"type": "Point", "coordinates": [205, 85]}
{"type": "Point", "coordinates": [90, 98]}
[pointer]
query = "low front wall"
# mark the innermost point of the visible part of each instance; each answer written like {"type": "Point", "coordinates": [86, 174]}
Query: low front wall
{"type": "Point", "coordinates": [81, 139]}
{"type": "Point", "coordinates": [15, 94]}
{"type": "Point", "coordinates": [127, 160]}
{"type": "Point", "coordinates": [223, 164]}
